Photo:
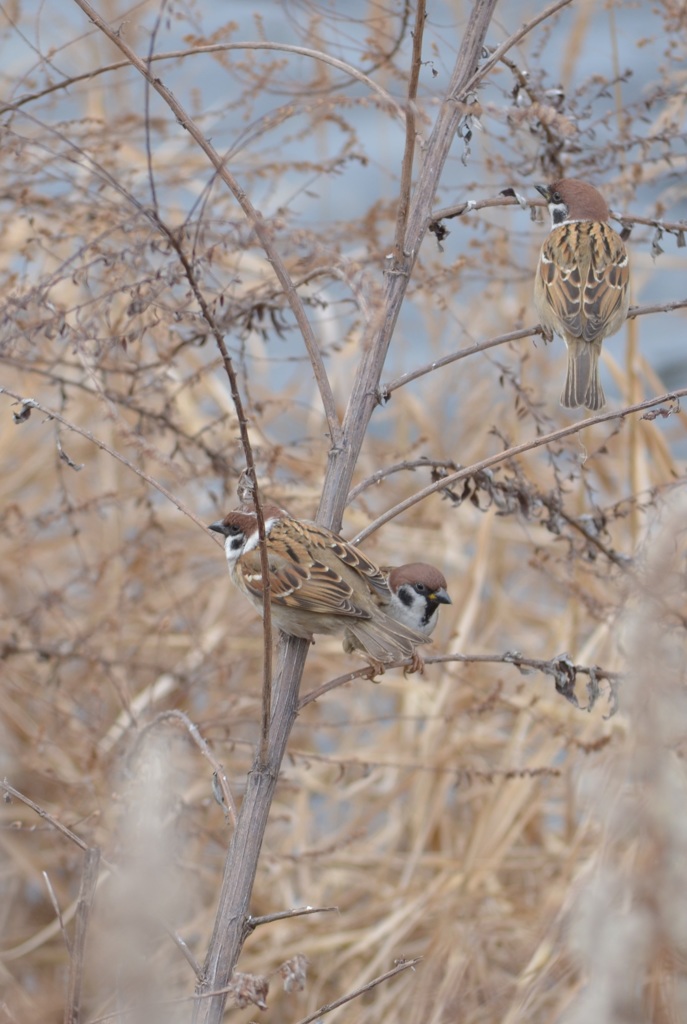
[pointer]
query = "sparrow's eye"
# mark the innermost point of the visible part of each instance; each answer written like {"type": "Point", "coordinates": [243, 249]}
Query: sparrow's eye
{"type": "Point", "coordinates": [556, 197]}
{"type": "Point", "coordinates": [233, 531]}
{"type": "Point", "coordinates": [420, 588]}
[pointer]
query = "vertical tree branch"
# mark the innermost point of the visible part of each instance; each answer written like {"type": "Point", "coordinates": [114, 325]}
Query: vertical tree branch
{"type": "Point", "coordinates": [89, 881]}
{"type": "Point", "coordinates": [232, 921]}
{"type": "Point", "coordinates": [362, 401]}
{"type": "Point", "coordinates": [409, 152]}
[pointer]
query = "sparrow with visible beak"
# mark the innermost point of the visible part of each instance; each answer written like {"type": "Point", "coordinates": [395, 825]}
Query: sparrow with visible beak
{"type": "Point", "coordinates": [416, 592]}
{"type": "Point", "coordinates": [581, 288]}
{"type": "Point", "coordinates": [318, 583]}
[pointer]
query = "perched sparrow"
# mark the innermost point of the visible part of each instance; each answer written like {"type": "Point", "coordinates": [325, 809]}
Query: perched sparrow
{"type": "Point", "coordinates": [581, 287]}
{"type": "Point", "coordinates": [416, 591]}
{"type": "Point", "coordinates": [318, 583]}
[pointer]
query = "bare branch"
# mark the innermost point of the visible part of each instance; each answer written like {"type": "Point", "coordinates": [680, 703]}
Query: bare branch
{"type": "Point", "coordinates": [628, 220]}
{"type": "Point", "coordinates": [89, 881]}
{"type": "Point", "coordinates": [252, 476]}
{"type": "Point", "coordinates": [10, 791]}
{"type": "Point", "coordinates": [509, 453]}
{"type": "Point", "coordinates": [409, 151]}
{"type": "Point", "coordinates": [398, 467]}
{"type": "Point", "coordinates": [552, 667]}
{"type": "Point", "coordinates": [255, 218]}
{"type": "Point", "coordinates": [229, 933]}
{"type": "Point", "coordinates": [232, 919]}
{"type": "Point", "coordinates": [42, 813]}
{"type": "Point", "coordinates": [385, 390]}
{"type": "Point", "coordinates": [404, 965]}
{"type": "Point", "coordinates": [362, 399]}
{"type": "Point", "coordinates": [28, 404]}
{"type": "Point", "coordinates": [194, 732]}
{"type": "Point", "coordinates": [284, 915]}
{"type": "Point", "coordinates": [509, 43]}
{"type": "Point", "coordinates": [300, 51]}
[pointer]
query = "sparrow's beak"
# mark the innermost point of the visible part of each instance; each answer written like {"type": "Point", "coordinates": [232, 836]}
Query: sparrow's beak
{"type": "Point", "coordinates": [218, 527]}
{"type": "Point", "coordinates": [440, 596]}
{"type": "Point", "coordinates": [544, 191]}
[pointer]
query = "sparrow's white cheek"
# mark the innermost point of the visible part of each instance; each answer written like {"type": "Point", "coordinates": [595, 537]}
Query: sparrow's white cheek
{"type": "Point", "coordinates": [233, 547]}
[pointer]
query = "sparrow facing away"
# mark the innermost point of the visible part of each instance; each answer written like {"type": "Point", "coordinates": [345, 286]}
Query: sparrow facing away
{"type": "Point", "coordinates": [416, 591]}
{"type": "Point", "coordinates": [581, 287]}
{"type": "Point", "coordinates": [318, 583]}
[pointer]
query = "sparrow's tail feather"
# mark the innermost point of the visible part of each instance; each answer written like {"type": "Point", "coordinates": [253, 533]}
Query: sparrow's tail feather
{"type": "Point", "coordinates": [582, 384]}
{"type": "Point", "coordinates": [383, 639]}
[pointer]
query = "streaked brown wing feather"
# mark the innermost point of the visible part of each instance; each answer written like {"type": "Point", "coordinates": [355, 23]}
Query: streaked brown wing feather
{"type": "Point", "coordinates": [584, 270]}
{"type": "Point", "coordinates": [560, 275]}
{"type": "Point", "coordinates": [351, 556]}
{"type": "Point", "coordinates": [604, 297]}
{"type": "Point", "coordinates": [300, 582]}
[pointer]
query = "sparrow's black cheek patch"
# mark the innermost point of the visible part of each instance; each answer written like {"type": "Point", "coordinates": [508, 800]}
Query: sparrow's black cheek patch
{"type": "Point", "coordinates": [236, 543]}
{"type": "Point", "coordinates": [405, 596]}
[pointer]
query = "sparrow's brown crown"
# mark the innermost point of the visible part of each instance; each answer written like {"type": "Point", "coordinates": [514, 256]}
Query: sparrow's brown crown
{"type": "Point", "coordinates": [582, 200]}
{"type": "Point", "coordinates": [418, 572]}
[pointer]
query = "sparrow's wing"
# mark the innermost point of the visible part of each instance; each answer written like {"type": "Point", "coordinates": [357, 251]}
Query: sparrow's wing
{"type": "Point", "coordinates": [302, 581]}
{"type": "Point", "coordinates": [585, 271]}
{"type": "Point", "coordinates": [605, 297]}
{"type": "Point", "coordinates": [319, 539]}
{"type": "Point", "coordinates": [560, 275]}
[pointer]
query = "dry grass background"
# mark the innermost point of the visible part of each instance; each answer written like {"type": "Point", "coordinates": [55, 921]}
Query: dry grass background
{"type": "Point", "coordinates": [531, 851]}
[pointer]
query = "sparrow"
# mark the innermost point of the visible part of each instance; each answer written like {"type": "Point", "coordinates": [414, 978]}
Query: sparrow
{"type": "Point", "coordinates": [581, 287]}
{"type": "Point", "coordinates": [416, 592]}
{"type": "Point", "coordinates": [318, 583]}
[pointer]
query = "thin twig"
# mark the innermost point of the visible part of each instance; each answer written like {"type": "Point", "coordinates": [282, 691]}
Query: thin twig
{"type": "Point", "coordinates": [398, 467]}
{"type": "Point", "coordinates": [404, 965]}
{"type": "Point", "coordinates": [209, 318]}
{"type": "Point", "coordinates": [58, 910]}
{"type": "Point", "coordinates": [385, 390]}
{"type": "Point", "coordinates": [509, 453]}
{"type": "Point", "coordinates": [89, 881]}
{"type": "Point", "coordinates": [284, 915]}
{"type": "Point", "coordinates": [72, 836]}
{"type": "Point", "coordinates": [509, 43]}
{"type": "Point", "coordinates": [30, 403]}
{"type": "Point", "coordinates": [675, 227]}
{"type": "Point", "coordinates": [333, 684]}
{"type": "Point", "coordinates": [45, 815]}
{"type": "Point", "coordinates": [508, 658]}
{"type": "Point", "coordinates": [194, 732]}
{"type": "Point", "coordinates": [255, 218]}
{"type": "Point", "coordinates": [409, 151]}
{"type": "Point", "coordinates": [458, 209]}
{"type": "Point", "coordinates": [662, 307]}
{"type": "Point", "coordinates": [301, 51]}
